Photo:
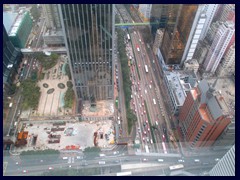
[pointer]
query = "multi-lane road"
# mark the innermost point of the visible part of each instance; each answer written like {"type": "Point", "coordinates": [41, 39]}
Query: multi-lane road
{"type": "Point", "coordinates": [145, 89]}
{"type": "Point", "coordinates": [39, 165]}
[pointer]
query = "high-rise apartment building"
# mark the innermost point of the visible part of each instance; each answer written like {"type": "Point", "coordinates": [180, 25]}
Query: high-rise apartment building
{"type": "Point", "coordinates": [182, 33]}
{"type": "Point", "coordinates": [209, 10]}
{"type": "Point", "coordinates": [228, 13]}
{"type": "Point", "coordinates": [203, 116]}
{"type": "Point", "coordinates": [219, 45]}
{"type": "Point", "coordinates": [226, 165]}
{"type": "Point", "coordinates": [227, 65]}
{"type": "Point", "coordinates": [145, 11]}
{"type": "Point", "coordinates": [88, 32]}
{"type": "Point", "coordinates": [52, 17]}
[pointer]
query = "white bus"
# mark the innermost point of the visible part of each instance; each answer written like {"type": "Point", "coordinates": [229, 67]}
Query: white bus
{"type": "Point", "coordinates": [146, 68]}
{"type": "Point", "coordinates": [146, 148]}
{"type": "Point", "coordinates": [176, 167]}
{"type": "Point", "coordinates": [128, 173]}
{"type": "Point", "coordinates": [154, 101]}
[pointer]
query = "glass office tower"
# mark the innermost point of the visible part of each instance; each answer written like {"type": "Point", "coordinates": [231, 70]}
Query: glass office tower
{"type": "Point", "coordinates": [88, 31]}
{"type": "Point", "coordinates": [177, 32]}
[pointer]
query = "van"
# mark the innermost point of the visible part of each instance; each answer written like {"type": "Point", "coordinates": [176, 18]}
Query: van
{"type": "Point", "coordinates": [101, 162]}
{"type": "Point", "coordinates": [196, 160]}
{"type": "Point", "coordinates": [10, 105]}
{"type": "Point", "coordinates": [151, 141]}
{"type": "Point", "coordinates": [160, 160]}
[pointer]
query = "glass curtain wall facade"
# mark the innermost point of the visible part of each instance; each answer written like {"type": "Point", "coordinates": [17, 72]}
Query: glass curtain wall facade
{"type": "Point", "coordinates": [12, 58]}
{"type": "Point", "coordinates": [177, 32]}
{"type": "Point", "coordinates": [88, 31]}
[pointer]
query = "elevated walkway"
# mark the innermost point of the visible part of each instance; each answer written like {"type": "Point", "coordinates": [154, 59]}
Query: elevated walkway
{"type": "Point", "coordinates": [60, 50]}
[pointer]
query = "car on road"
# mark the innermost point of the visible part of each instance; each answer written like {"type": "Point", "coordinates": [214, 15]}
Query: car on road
{"type": "Point", "coordinates": [17, 163]}
{"type": "Point", "coordinates": [148, 129]}
{"type": "Point", "coordinates": [196, 160]}
{"type": "Point", "coordinates": [217, 159]}
{"type": "Point", "coordinates": [144, 112]}
{"type": "Point", "coordinates": [25, 171]}
{"type": "Point", "coordinates": [160, 160]}
{"type": "Point", "coordinates": [144, 124]}
{"type": "Point", "coordinates": [116, 152]}
{"type": "Point", "coordinates": [145, 160]}
{"type": "Point", "coordinates": [50, 168]}
{"type": "Point", "coordinates": [101, 162]}
{"type": "Point", "coordinates": [145, 132]}
{"type": "Point", "coordinates": [180, 160]}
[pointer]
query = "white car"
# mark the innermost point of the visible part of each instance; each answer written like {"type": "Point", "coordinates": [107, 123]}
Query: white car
{"type": "Point", "coordinates": [217, 159]}
{"type": "Point", "coordinates": [50, 168]}
{"type": "Point", "coordinates": [180, 160]}
{"type": "Point", "coordinates": [196, 160]}
{"type": "Point", "coordinates": [160, 160]}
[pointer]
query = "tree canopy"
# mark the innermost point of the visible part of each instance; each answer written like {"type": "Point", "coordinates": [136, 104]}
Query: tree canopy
{"type": "Point", "coordinates": [31, 94]}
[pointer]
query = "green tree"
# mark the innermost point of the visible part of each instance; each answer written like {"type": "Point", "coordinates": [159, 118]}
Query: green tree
{"type": "Point", "coordinates": [54, 56]}
{"type": "Point", "coordinates": [30, 93]}
{"type": "Point", "coordinates": [68, 72]}
{"type": "Point", "coordinates": [68, 98]}
{"type": "Point", "coordinates": [91, 152]}
{"type": "Point", "coordinates": [48, 154]}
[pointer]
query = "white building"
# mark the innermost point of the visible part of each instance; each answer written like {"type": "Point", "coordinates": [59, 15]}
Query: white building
{"type": "Point", "coordinates": [209, 10]}
{"type": "Point", "coordinates": [145, 11]}
{"type": "Point", "coordinates": [218, 47]}
{"type": "Point", "coordinates": [227, 65]}
{"type": "Point", "coordinates": [194, 35]}
{"type": "Point", "coordinates": [226, 165]}
{"type": "Point", "coordinates": [178, 84]}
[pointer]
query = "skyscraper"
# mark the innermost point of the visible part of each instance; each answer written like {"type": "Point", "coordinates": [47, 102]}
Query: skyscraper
{"type": "Point", "coordinates": [12, 58]}
{"type": "Point", "coordinates": [182, 33]}
{"type": "Point", "coordinates": [203, 116]}
{"type": "Point", "coordinates": [226, 165]}
{"type": "Point", "coordinates": [209, 10]}
{"type": "Point", "coordinates": [88, 32]}
{"type": "Point", "coordinates": [218, 47]}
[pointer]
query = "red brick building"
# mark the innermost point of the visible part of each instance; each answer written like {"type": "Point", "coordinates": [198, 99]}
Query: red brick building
{"type": "Point", "coordinates": [203, 116]}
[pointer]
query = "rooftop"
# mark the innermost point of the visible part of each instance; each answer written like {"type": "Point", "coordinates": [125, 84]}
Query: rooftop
{"type": "Point", "coordinates": [8, 19]}
{"type": "Point", "coordinates": [14, 28]}
{"type": "Point", "coordinates": [177, 87]}
{"type": "Point", "coordinates": [225, 93]}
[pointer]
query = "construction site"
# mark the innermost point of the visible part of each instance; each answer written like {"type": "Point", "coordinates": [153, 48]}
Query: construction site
{"type": "Point", "coordinates": [65, 136]}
